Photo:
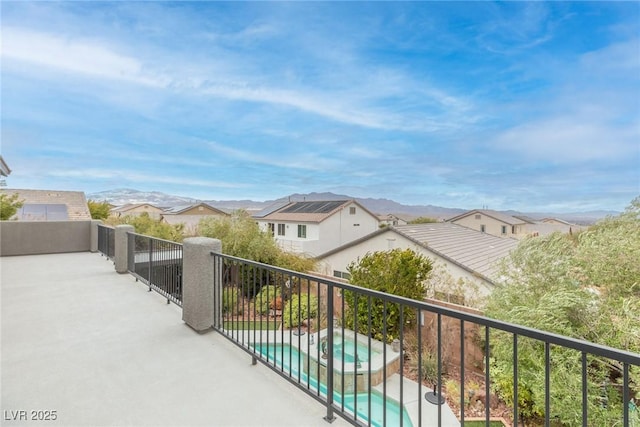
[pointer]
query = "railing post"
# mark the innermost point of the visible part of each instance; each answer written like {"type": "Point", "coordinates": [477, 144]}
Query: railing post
{"type": "Point", "coordinates": [198, 280]}
{"type": "Point", "coordinates": [150, 263]}
{"type": "Point", "coordinates": [330, 417]}
{"type": "Point", "coordinates": [121, 260]}
{"type": "Point", "coordinates": [93, 245]}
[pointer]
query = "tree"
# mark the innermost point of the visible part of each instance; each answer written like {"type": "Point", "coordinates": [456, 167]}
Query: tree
{"type": "Point", "coordinates": [241, 237]}
{"type": "Point", "coordinates": [99, 210]}
{"type": "Point", "coordinates": [423, 220]}
{"type": "Point", "coordinates": [9, 205]}
{"type": "Point", "coordinates": [144, 224]}
{"type": "Point", "coordinates": [584, 286]}
{"type": "Point", "coordinates": [399, 272]}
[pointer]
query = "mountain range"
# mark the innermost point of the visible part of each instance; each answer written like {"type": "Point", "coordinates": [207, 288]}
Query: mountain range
{"type": "Point", "coordinates": [123, 196]}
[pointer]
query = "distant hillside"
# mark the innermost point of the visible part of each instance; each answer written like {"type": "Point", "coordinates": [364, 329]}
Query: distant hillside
{"type": "Point", "coordinates": [124, 196]}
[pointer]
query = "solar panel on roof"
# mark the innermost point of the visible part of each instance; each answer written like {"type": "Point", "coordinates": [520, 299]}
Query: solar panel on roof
{"type": "Point", "coordinates": [313, 207]}
{"type": "Point", "coordinates": [43, 212]}
{"type": "Point", "coordinates": [57, 212]}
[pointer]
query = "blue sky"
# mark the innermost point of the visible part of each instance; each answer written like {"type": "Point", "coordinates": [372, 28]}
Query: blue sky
{"type": "Point", "coordinates": [517, 105]}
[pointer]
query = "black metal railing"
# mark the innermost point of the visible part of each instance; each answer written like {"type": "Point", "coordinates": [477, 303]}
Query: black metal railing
{"type": "Point", "coordinates": [107, 241]}
{"type": "Point", "coordinates": [339, 344]}
{"type": "Point", "coordinates": [158, 263]}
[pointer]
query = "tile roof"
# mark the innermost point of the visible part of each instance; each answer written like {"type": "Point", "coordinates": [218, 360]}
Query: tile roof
{"type": "Point", "coordinates": [75, 201]}
{"type": "Point", "coordinates": [507, 219]}
{"type": "Point", "coordinates": [471, 249]}
{"type": "Point", "coordinates": [476, 252]}
{"type": "Point", "coordinates": [174, 210]}
{"type": "Point", "coordinates": [5, 170]}
{"type": "Point", "coordinates": [130, 206]}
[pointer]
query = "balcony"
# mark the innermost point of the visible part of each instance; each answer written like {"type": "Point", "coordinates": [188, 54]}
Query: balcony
{"type": "Point", "coordinates": [98, 349]}
{"type": "Point", "coordinates": [87, 346]}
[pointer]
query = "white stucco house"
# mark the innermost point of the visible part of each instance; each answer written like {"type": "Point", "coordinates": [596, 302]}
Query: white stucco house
{"type": "Point", "coordinates": [465, 253]}
{"type": "Point", "coordinates": [316, 227]}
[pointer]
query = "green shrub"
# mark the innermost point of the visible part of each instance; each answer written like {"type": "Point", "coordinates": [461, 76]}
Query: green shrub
{"type": "Point", "coordinates": [265, 297]}
{"type": "Point", "coordinates": [299, 308]}
{"type": "Point", "coordinates": [398, 272]}
{"type": "Point", "coordinates": [429, 368]}
{"type": "Point", "coordinates": [231, 301]}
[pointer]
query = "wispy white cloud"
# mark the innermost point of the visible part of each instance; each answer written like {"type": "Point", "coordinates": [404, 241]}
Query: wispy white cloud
{"type": "Point", "coordinates": [280, 158]}
{"type": "Point", "coordinates": [68, 54]}
{"type": "Point", "coordinates": [128, 176]}
{"type": "Point", "coordinates": [361, 105]}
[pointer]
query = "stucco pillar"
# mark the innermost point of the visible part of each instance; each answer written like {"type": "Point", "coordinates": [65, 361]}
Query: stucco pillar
{"type": "Point", "coordinates": [93, 246]}
{"type": "Point", "coordinates": [198, 282]}
{"type": "Point", "coordinates": [121, 260]}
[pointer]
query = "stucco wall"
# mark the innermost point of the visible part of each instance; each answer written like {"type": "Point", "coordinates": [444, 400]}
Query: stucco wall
{"type": "Point", "coordinates": [492, 225]}
{"type": "Point", "coordinates": [44, 237]}
{"type": "Point", "coordinates": [390, 240]}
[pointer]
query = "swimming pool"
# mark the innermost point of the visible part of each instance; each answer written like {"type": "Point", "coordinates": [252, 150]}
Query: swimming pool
{"type": "Point", "coordinates": [291, 361]}
{"type": "Point", "coordinates": [351, 351]}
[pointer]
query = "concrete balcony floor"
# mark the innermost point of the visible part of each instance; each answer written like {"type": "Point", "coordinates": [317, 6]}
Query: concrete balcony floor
{"type": "Point", "coordinates": [97, 348]}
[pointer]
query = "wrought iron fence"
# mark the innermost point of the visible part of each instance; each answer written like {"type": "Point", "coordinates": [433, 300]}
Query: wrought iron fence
{"type": "Point", "coordinates": [106, 241]}
{"type": "Point", "coordinates": [380, 359]}
{"type": "Point", "coordinates": [158, 263]}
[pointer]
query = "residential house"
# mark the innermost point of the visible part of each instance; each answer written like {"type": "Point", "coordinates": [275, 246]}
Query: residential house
{"type": "Point", "coordinates": [190, 216]}
{"type": "Point", "coordinates": [136, 210]}
{"type": "Point", "coordinates": [391, 219]}
{"type": "Point", "coordinates": [465, 253]}
{"type": "Point", "coordinates": [4, 168]}
{"type": "Point", "coordinates": [514, 226]}
{"type": "Point", "coordinates": [492, 222]}
{"type": "Point", "coordinates": [316, 227]}
{"type": "Point", "coordinates": [51, 205]}
{"type": "Point", "coordinates": [562, 225]}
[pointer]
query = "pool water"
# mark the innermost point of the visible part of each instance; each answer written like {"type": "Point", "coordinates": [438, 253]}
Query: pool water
{"type": "Point", "coordinates": [289, 360]}
{"type": "Point", "coordinates": [349, 348]}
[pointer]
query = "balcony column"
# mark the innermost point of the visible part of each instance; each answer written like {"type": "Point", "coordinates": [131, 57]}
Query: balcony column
{"type": "Point", "coordinates": [121, 259]}
{"type": "Point", "coordinates": [198, 282]}
{"type": "Point", "coordinates": [93, 246]}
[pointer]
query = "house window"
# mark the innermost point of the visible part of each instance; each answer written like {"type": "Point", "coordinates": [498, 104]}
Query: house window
{"type": "Point", "coordinates": [478, 216]}
{"type": "Point", "coordinates": [341, 274]}
{"type": "Point", "coordinates": [356, 225]}
{"type": "Point", "coordinates": [302, 231]}
{"type": "Point", "coordinates": [483, 228]}
{"type": "Point", "coordinates": [513, 229]}
{"type": "Point", "coordinates": [352, 210]}
{"type": "Point", "coordinates": [271, 228]}
{"type": "Point", "coordinates": [504, 229]}
{"type": "Point", "coordinates": [280, 229]}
